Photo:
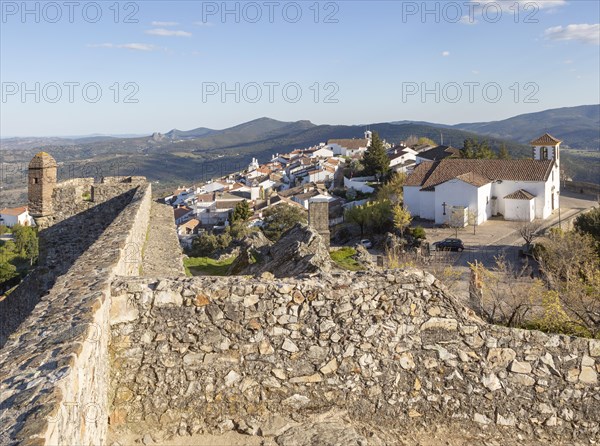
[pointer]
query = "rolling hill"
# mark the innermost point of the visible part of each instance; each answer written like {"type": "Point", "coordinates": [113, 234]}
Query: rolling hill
{"type": "Point", "coordinates": [578, 127]}
{"type": "Point", "coordinates": [185, 157]}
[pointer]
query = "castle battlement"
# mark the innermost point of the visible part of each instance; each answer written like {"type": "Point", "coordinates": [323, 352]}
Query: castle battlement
{"type": "Point", "coordinates": [100, 349]}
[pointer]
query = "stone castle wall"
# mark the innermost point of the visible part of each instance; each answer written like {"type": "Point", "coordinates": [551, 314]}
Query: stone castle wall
{"type": "Point", "coordinates": [54, 369]}
{"type": "Point", "coordinates": [395, 350]}
{"type": "Point", "coordinates": [98, 345]}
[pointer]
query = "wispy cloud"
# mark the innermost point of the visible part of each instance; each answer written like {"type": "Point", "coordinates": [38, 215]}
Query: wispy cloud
{"type": "Point", "coordinates": [168, 32]}
{"type": "Point", "coordinates": [128, 46]}
{"type": "Point", "coordinates": [445, 53]}
{"type": "Point", "coordinates": [581, 32]}
{"type": "Point", "coordinates": [165, 23]}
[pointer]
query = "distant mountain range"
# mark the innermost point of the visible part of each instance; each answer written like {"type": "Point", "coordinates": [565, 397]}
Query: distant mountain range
{"type": "Point", "coordinates": [578, 127]}
{"type": "Point", "coordinates": [178, 157]}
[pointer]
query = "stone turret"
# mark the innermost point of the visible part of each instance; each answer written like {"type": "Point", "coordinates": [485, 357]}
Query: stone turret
{"type": "Point", "coordinates": [318, 217]}
{"type": "Point", "coordinates": [41, 183]}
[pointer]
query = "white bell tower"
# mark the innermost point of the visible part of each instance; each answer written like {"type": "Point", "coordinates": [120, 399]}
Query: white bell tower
{"type": "Point", "coordinates": [547, 147]}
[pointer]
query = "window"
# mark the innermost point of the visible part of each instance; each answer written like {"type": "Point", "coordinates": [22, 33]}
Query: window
{"type": "Point", "coordinates": [35, 181]}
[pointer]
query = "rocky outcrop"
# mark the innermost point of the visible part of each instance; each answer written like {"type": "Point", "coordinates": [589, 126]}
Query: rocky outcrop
{"type": "Point", "coordinates": [300, 250]}
{"type": "Point", "coordinates": [363, 257]}
{"type": "Point", "coordinates": [252, 247]}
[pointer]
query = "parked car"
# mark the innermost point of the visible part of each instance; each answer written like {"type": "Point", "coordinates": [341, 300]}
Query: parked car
{"type": "Point", "coordinates": [366, 243]}
{"type": "Point", "coordinates": [449, 244]}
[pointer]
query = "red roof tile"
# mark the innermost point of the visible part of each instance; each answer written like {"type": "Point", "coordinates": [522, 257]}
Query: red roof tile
{"type": "Point", "coordinates": [520, 195]}
{"type": "Point", "coordinates": [14, 211]}
{"type": "Point", "coordinates": [430, 174]}
{"type": "Point", "coordinates": [545, 140]}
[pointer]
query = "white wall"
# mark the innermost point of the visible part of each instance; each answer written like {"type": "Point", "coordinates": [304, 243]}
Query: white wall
{"type": "Point", "coordinates": [540, 190]}
{"type": "Point", "coordinates": [520, 210]}
{"type": "Point", "coordinates": [358, 185]}
{"type": "Point", "coordinates": [484, 202]}
{"type": "Point", "coordinates": [411, 200]}
{"type": "Point", "coordinates": [10, 220]}
{"type": "Point", "coordinates": [454, 193]}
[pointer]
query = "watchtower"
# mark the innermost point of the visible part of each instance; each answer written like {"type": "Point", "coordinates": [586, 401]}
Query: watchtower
{"type": "Point", "coordinates": [318, 217]}
{"type": "Point", "coordinates": [41, 183]}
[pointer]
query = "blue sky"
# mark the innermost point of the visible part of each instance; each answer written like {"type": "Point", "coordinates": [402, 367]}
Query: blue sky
{"type": "Point", "coordinates": [356, 62]}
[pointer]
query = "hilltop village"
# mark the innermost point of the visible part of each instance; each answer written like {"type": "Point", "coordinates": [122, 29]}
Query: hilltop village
{"type": "Point", "coordinates": [441, 184]}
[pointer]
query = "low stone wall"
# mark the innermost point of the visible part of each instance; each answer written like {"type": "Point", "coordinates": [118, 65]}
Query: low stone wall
{"type": "Point", "coordinates": [54, 369]}
{"type": "Point", "coordinates": [68, 198]}
{"type": "Point", "coordinates": [60, 246]}
{"type": "Point", "coordinates": [582, 188]}
{"type": "Point", "coordinates": [393, 349]}
{"type": "Point", "coordinates": [112, 186]}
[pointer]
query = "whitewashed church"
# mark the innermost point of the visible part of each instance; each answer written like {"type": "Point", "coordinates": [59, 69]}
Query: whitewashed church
{"type": "Point", "coordinates": [473, 190]}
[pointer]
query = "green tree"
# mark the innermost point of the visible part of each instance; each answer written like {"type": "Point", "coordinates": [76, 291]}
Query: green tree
{"type": "Point", "coordinates": [7, 271]}
{"type": "Point", "coordinates": [359, 216]}
{"type": "Point", "coordinates": [392, 190]}
{"type": "Point", "coordinates": [402, 218]}
{"type": "Point", "coordinates": [429, 142]}
{"type": "Point", "coordinates": [503, 154]}
{"type": "Point", "coordinates": [380, 214]}
{"type": "Point", "coordinates": [241, 212]}
{"type": "Point", "coordinates": [239, 230]}
{"type": "Point", "coordinates": [375, 159]}
{"type": "Point", "coordinates": [26, 242]}
{"type": "Point", "coordinates": [374, 215]}
{"type": "Point", "coordinates": [589, 223]}
{"type": "Point", "coordinates": [280, 218]}
{"type": "Point", "coordinates": [473, 149]}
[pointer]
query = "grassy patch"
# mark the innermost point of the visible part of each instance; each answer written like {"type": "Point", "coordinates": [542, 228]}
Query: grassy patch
{"type": "Point", "coordinates": [204, 266]}
{"type": "Point", "coordinates": [343, 258]}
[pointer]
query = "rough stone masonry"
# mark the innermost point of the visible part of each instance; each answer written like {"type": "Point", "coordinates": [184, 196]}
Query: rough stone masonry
{"type": "Point", "coordinates": [180, 355]}
{"type": "Point", "coordinates": [392, 349]}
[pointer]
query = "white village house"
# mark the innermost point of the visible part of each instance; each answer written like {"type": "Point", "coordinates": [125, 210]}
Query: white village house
{"type": "Point", "coordinates": [13, 216]}
{"type": "Point", "coordinates": [477, 189]}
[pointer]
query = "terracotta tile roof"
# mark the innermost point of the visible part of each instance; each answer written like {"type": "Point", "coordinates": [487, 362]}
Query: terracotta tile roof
{"type": "Point", "coordinates": [520, 195]}
{"type": "Point", "coordinates": [14, 211]}
{"type": "Point", "coordinates": [349, 143]}
{"type": "Point", "coordinates": [474, 179]}
{"type": "Point", "coordinates": [545, 140]}
{"type": "Point", "coordinates": [180, 212]}
{"type": "Point", "coordinates": [190, 224]}
{"type": "Point", "coordinates": [429, 174]}
{"type": "Point", "coordinates": [205, 197]}
{"type": "Point", "coordinates": [419, 174]}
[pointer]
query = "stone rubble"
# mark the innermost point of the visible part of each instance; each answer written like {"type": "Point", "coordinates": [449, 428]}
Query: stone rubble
{"type": "Point", "coordinates": [393, 349]}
